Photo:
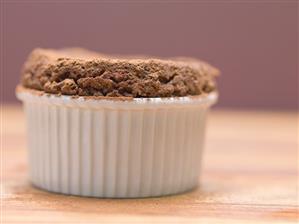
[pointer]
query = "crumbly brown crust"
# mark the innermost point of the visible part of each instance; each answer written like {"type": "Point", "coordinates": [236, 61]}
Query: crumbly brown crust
{"type": "Point", "coordinates": [80, 72]}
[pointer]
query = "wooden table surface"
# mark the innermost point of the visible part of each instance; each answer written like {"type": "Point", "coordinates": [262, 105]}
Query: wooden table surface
{"type": "Point", "coordinates": [250, 175]}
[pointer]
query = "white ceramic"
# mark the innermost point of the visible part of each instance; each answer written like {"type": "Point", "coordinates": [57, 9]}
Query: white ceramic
{"type": "Point", "coordinates": [116, 149]}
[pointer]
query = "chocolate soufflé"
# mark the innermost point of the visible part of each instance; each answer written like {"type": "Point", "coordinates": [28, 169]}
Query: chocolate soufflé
{"type": "Point", "coordinates": [80, 72]}
{"type": "Point", "coordinates": [115, 126]}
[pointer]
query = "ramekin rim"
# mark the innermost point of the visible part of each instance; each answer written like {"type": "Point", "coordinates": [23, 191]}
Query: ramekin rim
{"type": "Point", "coordinates": [25, 94]}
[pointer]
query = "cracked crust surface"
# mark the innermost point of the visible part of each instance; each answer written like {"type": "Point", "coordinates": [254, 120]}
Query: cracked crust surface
{"type": "Point", "coordinates": [80, 72]}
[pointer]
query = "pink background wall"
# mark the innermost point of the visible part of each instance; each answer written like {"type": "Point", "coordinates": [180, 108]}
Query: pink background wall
{"type": "Point", "coordinates": [254, 43]}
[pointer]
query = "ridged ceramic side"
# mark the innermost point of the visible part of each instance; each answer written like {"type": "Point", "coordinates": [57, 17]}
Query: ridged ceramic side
{"type": "Point", "coordinates": [116, 149]}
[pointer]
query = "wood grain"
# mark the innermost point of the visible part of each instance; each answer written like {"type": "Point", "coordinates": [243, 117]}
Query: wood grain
{"type": "Point", "coordinates": [250, 175]}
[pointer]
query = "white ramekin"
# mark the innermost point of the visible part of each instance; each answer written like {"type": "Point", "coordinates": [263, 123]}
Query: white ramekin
{"type": "Point", "coordinates": [118, 149]}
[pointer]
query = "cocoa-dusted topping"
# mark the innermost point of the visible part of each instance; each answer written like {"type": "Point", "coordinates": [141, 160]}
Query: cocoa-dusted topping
{"type": "Point", "coordinates": [85, 73]}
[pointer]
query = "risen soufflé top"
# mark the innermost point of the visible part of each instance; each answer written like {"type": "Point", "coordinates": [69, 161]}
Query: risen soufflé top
{"type": "Point", "coordinates": [80, 72]}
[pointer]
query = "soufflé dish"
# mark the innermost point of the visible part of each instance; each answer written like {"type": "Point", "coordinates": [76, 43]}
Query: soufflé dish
{"type": "Point", "coordinates": [116, 127]}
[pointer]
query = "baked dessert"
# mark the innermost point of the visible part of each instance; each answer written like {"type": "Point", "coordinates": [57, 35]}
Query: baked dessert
{"type": "Point", "coordinates": [84, 73]}
{"type": "Point", "coordinates": [114, 126]}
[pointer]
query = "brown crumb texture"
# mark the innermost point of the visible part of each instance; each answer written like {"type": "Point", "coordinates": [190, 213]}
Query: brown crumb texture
{"type": "Point", "coordinates": [84, 73]}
